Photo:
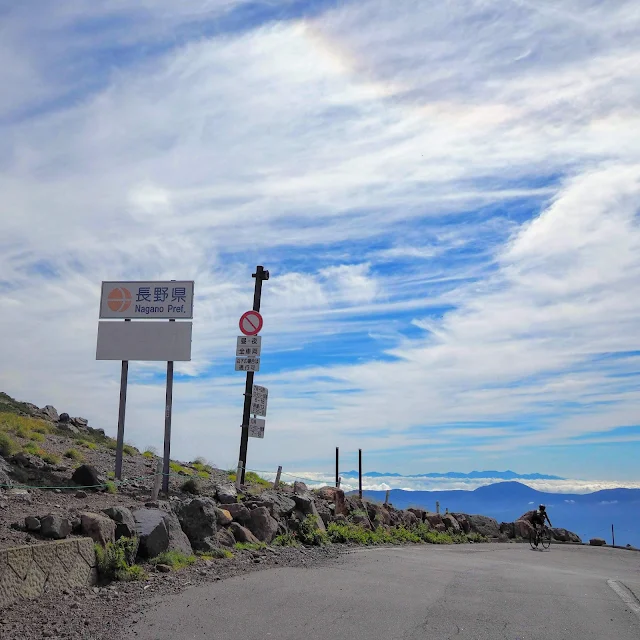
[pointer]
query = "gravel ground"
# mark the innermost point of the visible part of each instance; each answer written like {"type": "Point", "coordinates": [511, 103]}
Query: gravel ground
{"type": "Point", "coordinates": [97, 613]}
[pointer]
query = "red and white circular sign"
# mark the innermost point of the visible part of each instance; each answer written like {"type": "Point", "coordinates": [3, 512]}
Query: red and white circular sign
{"type": "Point", "coordinates": [251, 323]}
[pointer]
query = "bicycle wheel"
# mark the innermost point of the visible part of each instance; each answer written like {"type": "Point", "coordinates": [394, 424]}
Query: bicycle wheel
{"type": "Point", "coordinates": [545, 538]}
{"type": "Point", "coordinates": [533, 539]}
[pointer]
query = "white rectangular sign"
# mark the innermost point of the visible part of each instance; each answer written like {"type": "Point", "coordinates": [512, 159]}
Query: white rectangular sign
{"type": "Point", "coordinates": [168, 299]}
{"type": "Point", "coordinates": [151, 341]}
{"type": "Point", "coordinates": [247, 364]}
{"type": "Point", "coordinates": [259, 400]}
{"type": "Point", "coordinates": [256, 428]}
{"type": "Point", "coordinates": [249, 346]}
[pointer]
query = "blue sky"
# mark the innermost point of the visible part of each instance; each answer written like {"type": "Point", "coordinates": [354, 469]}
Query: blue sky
{"type": "Point", "coordinates": [446, 196]}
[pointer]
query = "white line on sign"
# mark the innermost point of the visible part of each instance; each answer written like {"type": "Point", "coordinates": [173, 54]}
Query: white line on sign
{"type": "Point", "coordinates": [251, 323]}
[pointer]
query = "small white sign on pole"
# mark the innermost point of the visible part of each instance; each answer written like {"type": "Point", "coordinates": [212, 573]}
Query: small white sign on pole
{"type": "Point", "coordinates": [249, 346]}
{"type": "Point", "coordinates": [247, 364]}
{"type": "Point", "coordinates": [259, 400]}
{"type": "Point", "coordinates": [256, 427]}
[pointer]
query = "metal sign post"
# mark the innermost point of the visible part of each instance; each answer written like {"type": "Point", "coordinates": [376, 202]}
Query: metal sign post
{"type": "Point", "coordinates": [250, 322]}
{"type": "Point", "coordinates": [148, 341]}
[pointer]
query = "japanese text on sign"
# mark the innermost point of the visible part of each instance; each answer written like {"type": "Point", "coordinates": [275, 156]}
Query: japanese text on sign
{"type": "Point", "coordinates": [259, 400]}
{"type": "Point", "coordinates": [172, 300]}
{"type": "Point", "coordinates": [247, 364]}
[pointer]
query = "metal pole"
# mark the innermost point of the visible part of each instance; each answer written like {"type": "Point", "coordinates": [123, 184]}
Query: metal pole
{"type": "Point", "coordinates": [386, 498]}
{"type": "Point", "coordinates": [276, 484]}
{"type": "Point", "coordinates": [613, 535]}
{"type": "Point", "coordinates": [124, 376]}
{"type": "Point", "coordinates": [260, 275]}
{"type": "Point", "coordinates": [337, 465]}
{"type": "Point", "coordinates": [360, 473]}
{"type": "Point", "coordinates": [156, 481]}
{"type": "Point", "coordinates": [167, 429]}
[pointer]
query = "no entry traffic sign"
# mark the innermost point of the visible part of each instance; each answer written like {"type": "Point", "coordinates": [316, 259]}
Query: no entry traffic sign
{"type": "Point", "coordinates": [251, 323]}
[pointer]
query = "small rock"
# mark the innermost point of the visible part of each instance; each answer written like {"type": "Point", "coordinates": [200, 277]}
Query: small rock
{"type": "Point", "coordinates": [597, 542]}
{"type": "Point", "coordinates": [86, 476]}
{"type": "Point", "coordinates": [81, 495]}
{"type": "Point", "coordinates": [32, 523]}
{"type": "Point", "coordinates": [98, 527]}
{"type": "Point", "coordinates": [57, 491]}
{"type": "Point", "coordinates": [163, 568]}
{"type": "Point", "coordinates": [55, 527]}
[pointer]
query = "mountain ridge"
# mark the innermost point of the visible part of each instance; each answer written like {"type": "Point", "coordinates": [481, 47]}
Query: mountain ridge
{"type": "Point", "coordinates": [472, 475]}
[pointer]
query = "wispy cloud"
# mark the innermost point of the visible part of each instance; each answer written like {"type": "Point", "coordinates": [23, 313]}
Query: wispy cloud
{"type": "Point", "coordinates": [450, 218]}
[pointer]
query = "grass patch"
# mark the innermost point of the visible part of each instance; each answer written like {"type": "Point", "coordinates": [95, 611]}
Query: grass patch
{"type": "Point", "coordinates": [178, 468]}
{"type": "Point", "coordinates": [286, 540]}
{"type": "Point", "coordinates": [250, 477]}
{"type": "Point", "coordinates": [351, 533]}
{"type": "Point", "coordinates": [8, 446]}
{"type": "Point", "coordinates": [9, 405]}
{"type": "Point", "coordinates": [111, 487]}
{"type": "Point", "coordinates": [129, 450]}
{"type": "Point", "coordinates": [250, 546]}
{"type": "Point", "coordinates": [36, 437]}
{"type": "Point", "coordinates": [33, 449]}
{"type": "Point", "coordinates": [215, 554]}
{"type": "Point", "coordinates": [112, 444]}
{"type": "Point", "coordinates": [310, 534]}
{"type": "Point", "coordinates": [174, 559]}
{"type": "Point", "coordinates": [203, 475]}
{"type": "Point", "coordinates": [73, 454]}
{"type": "Point", "coordinates": [148, 455]}
{"type": "Point", "coordinates": [51, 458]}
{"type": "Point", "coordinates": [89, 445]}
{"type": "Point", "coordinates": [23, 426]}
{"type": "Point", "coordinates": [111, 474]}
{"type": "Point", "coordinates": [116, 560]}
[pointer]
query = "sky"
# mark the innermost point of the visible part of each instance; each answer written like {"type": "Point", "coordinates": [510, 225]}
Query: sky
{"type": "Point", "coordinates": [446, 195]}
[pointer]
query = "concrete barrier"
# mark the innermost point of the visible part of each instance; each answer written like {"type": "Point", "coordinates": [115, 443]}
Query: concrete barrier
{"type": "Point", "coordinates": [28, 572]}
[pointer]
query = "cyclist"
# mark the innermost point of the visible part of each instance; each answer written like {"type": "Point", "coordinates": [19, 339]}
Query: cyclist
{"type": "Point", "coordinates": [539, 517]}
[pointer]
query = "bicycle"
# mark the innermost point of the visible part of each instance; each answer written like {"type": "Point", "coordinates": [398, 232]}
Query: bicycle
{"type": "Point", "coordinates": [540, 537]}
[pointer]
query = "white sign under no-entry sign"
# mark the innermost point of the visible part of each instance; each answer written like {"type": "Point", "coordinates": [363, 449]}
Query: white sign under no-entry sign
{"type": "Point", "coordinates": [166, 299]}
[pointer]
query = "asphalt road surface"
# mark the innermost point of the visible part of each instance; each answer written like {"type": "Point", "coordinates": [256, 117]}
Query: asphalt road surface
{"type": "Point", "coordinates": [466, 592]}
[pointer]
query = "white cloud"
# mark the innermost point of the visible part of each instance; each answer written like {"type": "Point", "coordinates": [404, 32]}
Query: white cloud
{"type": "Point", "coordinates": [303, 136]}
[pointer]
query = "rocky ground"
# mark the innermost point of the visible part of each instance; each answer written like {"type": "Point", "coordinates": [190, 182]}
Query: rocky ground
{"type": "Point", "coordinates": [48, 492]}
{"type": "Point", "coordinates": [97, 613]}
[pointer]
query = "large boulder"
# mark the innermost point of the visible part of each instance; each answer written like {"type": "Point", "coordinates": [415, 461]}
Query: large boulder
{"type": "Point", "coordinates": [300, 488]}
{"type": "Point", "coordinates": [279, 504]}
{"type": "Point", "coordinates": [87, 476]}
{"type": "Point", "coordinates": [433, 519]}
{"type": "Point", "coordinates": [199, 520]}
{"type": "Point", "coordinates": [64, 418]}
{"type": "Point", "coordinates": [484, 525]}
{"type": "Point", "coordinates": [522, 529]}
{"type": "Point", "coordinates": [262, 525]}
{"type": "Point", "coordinates": [50, 413]}
{"type": "Point", "coordinates": [528, 516]}
{"type": "Point", "coordinates": [99, 528]}
{"type": "Point", "coordinates": [334, 496]}
{"type": "Point", "coordinates": [125, 524]}
{"type": "Point", "coordinates": [420, 514]}
{"type": "Point", "coordinates": [226, 494]}
{"type": "Point", "coordinates": [223, 517]}
{"type": "Point", "coordinates": [507, 529]}
{"type": "Point", "coordinates": [81, 423]}
{"type": "Point", "coordinates": [378, 515]}
{"type": "Point", "coordinates": [225, 538]}
{"type": "Point", "coordinates": [27, 461]}
{"type": "Point", "coordinates": [239, 513]}
{"type": "Point", "coordinates": [463, 521]}
{"type": "Point", "coordinates": [409, 519]}
{"type": "Point", "coordinates": [450, 523]}
{"type": "Point", "coordinates": [597, 542]}
{"type": "Point", "coordinates": [159, 531]}
{"type": "Point", "coordinates": [55, 527]}
{"type": "Point", "coordinates": [241, 534]}
{"type": "Point", "coordinates": [305, 504]}
{"type": "Point", "coordinates": [324, 511]}
{"type": "Point", "coordinates": [5, 480]}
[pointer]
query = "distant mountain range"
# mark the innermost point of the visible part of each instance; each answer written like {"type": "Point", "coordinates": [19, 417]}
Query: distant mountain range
{"type": "Point", "coordinates": [494, 475]}
{"type": "Point", "coordinates": [589, 515]}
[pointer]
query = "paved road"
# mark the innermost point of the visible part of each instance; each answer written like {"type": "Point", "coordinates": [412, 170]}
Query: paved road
{"type": "Point", "coordinates": [470, 592]}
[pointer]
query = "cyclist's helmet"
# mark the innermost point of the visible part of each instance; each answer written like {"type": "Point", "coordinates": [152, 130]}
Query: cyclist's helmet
{"type": "Point", "coordinates": [542, 507]}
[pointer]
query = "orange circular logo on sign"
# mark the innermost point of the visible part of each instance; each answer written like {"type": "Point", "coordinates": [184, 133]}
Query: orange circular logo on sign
{"type": "Point", "coordinates": [119, 299]}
